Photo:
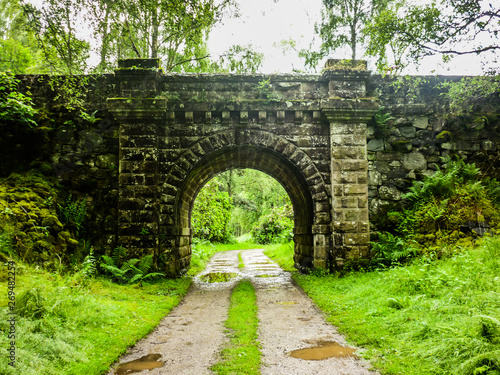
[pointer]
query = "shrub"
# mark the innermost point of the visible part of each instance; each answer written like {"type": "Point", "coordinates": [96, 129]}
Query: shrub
{"type": "Point", "coordinates": [15, 107]}
{"type": "Point", "coordinates": [211, 213]}
{"type": "Point", "coordinates": [276, 227]}
{"type": "Point", "coordinates": [128, 271]}
{"type": "Point", "coordinates": [441, 210]}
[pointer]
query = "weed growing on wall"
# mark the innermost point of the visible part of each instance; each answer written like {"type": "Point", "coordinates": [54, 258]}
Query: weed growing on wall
{"type": "Point", "coordinates": [465, 94]}
{"type": "Point", "coordinates": [15, 108]}
{"type": "Point", "coordinates": [73, 213]}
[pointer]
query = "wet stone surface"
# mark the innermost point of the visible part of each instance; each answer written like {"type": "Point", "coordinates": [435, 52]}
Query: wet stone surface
{"type": "Point", "coordinates": [190, 337]}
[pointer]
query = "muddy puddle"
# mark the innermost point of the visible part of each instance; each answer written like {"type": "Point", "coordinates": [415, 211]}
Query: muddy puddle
{"type": "Point", "coordinates": [218, 277]}
{"type": "Point", "coordinates": [148, 362]}
{"type": "Point", "coordinates": [324, 350]}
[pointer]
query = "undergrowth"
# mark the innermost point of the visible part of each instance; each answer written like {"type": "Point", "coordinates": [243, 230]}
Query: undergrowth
{"type": "Point", "coordinates": [64, 326]}
{"type": "Point", "coordinates": [434, 316]}
{"type": "Point", "coordinates": [453, 206]}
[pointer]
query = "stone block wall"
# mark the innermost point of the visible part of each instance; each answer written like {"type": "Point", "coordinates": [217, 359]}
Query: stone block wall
{"type": "Point", "coordinates": [363, 168]}
{"type": "Point", "coordinates": [422, 133]}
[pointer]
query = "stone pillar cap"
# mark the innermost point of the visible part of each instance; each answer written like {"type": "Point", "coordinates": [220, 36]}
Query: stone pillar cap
{"type": "Point", "coordinates": [343, 64]}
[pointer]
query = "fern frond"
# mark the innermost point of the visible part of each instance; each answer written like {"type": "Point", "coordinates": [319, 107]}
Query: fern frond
{"type": "Point", "coordinates": [107, 260]}
{"type": "Point", "coordinates": [146, 264]}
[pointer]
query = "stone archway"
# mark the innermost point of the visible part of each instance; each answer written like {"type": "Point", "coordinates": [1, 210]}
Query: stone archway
{"type": "Point", "coordinates": [259, 150]}
{"type": "Point", "coordinates": [177, 131]}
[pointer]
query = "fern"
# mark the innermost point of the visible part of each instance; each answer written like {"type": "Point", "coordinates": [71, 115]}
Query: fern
{"type": "Point", "coordinates": [390, 250]}
{"type": "Point", "coordinates": [119, 255]}
{"type": "Point", "coordinates": [89, 265]}
{"type": "Point", "coordinates": [129, 271]}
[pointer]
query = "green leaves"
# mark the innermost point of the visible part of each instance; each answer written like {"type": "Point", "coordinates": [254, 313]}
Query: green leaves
{"type": "Point", "coordinates": [211, 213]}
{"type": "Point", "coordinates": [449, 27]}
{"type": "Point", "coordinates": [466, 93]}
{"type": "Point", "coordinates": [128, 271]}
{"type": "Point", "coordinates": [343, 24]}
{"type": "Point", "coordinates": [15, 107]}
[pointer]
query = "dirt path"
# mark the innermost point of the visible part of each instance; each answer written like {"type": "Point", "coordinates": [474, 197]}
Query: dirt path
{"type": "Point", "coordinates": [190, 337]}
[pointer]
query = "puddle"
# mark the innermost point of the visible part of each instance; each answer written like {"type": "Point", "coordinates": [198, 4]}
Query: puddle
{"type": "Point", "coordinates": [323, 350]}
{"type": "Point", "coordinates": [148, 362]}
{"type": "Point", "coordinates": [218, 277]}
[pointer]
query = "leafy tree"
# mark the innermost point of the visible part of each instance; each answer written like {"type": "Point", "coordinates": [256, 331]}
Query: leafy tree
{"type": "Point", "coordinates": [255, 194]}
{"type": "Point", "coordinates": [446, 27]}
{"type": "Point", "coordinates": [342, 24]}
{"type": "Point", "coordinates": [240, 59]}
{"type": "Point", "coordinates": [391, 53]}
{"type": "Point", "coordinates": [211, 213]}
{"type": "Point", "coordinates": [55, 24]}
{"type": "Point", "coordinates": [173, 30]}
{"type": "Point", "coordinates": [18, 48]}
{"type": "Point", "coordinates": [275, 227]}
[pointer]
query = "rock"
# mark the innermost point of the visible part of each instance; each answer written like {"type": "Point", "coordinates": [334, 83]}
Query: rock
{"type": "Point", "coordinates": [414, 161]}
{"type": "Point", "coordinates": [375, 145]}
{"type": "Point", "coordinates": [408, 131]}
{"type": "Point", "coordinates": [421, 122]}
{"type": "Point", "coordinates": [389, 193]}
{"type": "Point", "coordinates": [488, 145]}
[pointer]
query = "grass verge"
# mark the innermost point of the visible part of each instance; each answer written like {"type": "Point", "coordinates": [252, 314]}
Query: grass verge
{"type": "Point", "coordinates": [241, 355]}
{"type": "Point", "coordinates": [430, 317]}
{"type": "Point", "coordinates": [64, 327]}
{"type": "Point", "coordinates": [281, 254]}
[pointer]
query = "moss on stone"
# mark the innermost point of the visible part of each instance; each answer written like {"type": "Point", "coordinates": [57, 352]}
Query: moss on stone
{"type": "Point", "coordinates": [28, 215]}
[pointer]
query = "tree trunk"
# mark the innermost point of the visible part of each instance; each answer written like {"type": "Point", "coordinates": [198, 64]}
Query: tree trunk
{"type": "Point", "coordinates": [154, 35]}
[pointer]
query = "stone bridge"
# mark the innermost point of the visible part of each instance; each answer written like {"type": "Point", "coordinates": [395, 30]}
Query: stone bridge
{"type": "Point", "coordinates": [308, 132]}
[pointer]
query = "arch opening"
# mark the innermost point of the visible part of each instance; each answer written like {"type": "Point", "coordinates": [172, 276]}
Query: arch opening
{"type": "Point", "coordinates": [243, 205]}
{"type": "Point", "coordinates": [179, 233]}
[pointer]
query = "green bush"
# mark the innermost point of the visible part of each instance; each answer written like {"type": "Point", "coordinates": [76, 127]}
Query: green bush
{"type": "Point", "coordinates": [211, 213]}
{"type": "Point", "coordinates": [15, 107]}
{"type": "Point", "coordinates": [276, 227]}
{"type": "Point", "coordinates": [73, 213]}
{"type": "Point", "coordinates": [128, 271]}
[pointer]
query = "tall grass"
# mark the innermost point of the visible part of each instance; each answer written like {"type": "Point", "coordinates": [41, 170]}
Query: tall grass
{"type": "Point", "coordinates": [64, 327]}
{"type": "Point", "coordinates": [431, 317]}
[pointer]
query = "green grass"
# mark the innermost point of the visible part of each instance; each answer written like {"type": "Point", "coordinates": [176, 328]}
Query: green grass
{"type": "Point", "coordinates": [281, 254]}
{"type": "Point", "coordinates": [431, 317]}
{"type": "Point", "coordinates": [65, 326]}
{"type": "Point", "coordinates": [241, 264]}
{"type": "Point", "coordinates": [241, 355]}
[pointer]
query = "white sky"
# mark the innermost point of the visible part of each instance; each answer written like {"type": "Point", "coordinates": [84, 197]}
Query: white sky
{"type": "Point", "coordinates": [264, 23]}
